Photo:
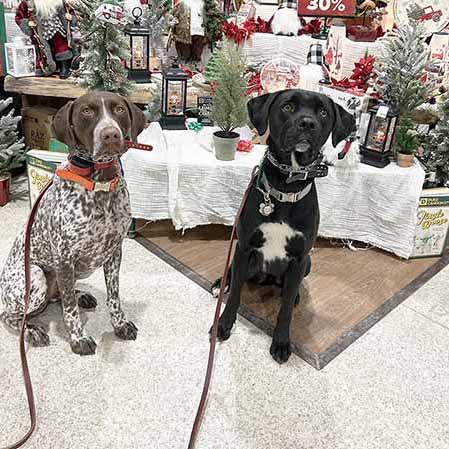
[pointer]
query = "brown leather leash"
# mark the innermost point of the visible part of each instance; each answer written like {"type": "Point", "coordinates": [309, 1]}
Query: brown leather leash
{"type": "Point", "coordinates": [213, 337]}
{"type": "Point", "coordinates": [23, 355]}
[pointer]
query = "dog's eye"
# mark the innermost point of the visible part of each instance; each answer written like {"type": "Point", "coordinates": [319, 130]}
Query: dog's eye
{"type": "Point", "coordinates": [288, 108]}
{"type": "Point", "coordinates": [119, 110]}
{"type": "Point", "coordinates": [87, 111]}
{"type": "Point", "coordinates": [323, 113]}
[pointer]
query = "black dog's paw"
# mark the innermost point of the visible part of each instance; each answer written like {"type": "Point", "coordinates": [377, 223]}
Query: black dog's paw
{"type": "Point", "coordinates": [280, 351]}
{"type": "Point", "coordinates": [223, 331]}
{"type": "Point", "coordinates": [84, 346]}
{"type": "Point", "coordinates": [216, 286]}
{"type": "Point", "coordinates": [37, 335]}
{"type": "Point", "coordinates": [127, 331]}
{"type": "Point", "coordinates": [86, 300]}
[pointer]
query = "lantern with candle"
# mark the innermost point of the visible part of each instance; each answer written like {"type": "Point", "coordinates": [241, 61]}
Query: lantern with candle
{"type": "Point", "coordinates": [174, 98]}
{"type": "Point", "coordinates": [20, 57]}
{"type": "Point", "coordinates": [376, 148]}
{"type": "Point", "coordinates": [139, 43]}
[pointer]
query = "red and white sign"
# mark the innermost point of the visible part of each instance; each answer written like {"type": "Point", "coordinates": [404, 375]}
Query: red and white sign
{"type": "Point", "coordinates": [329, 8]}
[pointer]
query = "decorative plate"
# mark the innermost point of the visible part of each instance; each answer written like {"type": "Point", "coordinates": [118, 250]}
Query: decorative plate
{"type": "Point", "coordinates": [279, 74]}
{"type": "Point", "coordinates": [434, 14]}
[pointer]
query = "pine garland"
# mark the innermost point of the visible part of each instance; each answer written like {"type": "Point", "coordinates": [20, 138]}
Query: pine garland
{"type": "Point", "coordinates": [439, 146]}
{"type": "Point", "coordinates": [12, 148]}
{"type": "Point", "coordinates": [157, 18]}
{"type": "Point", "coordinates": [103, 66]}
{"type": "Point", "coordinates": [229, 101]}
{"type": "Point", "coordinates": [400, 67]}
{"type": "Point", "coordinates": [213, 22]}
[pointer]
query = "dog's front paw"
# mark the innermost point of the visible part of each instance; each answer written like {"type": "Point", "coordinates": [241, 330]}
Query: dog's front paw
{"type": "Point", "coordinates": [280, 351]}
{"type": "Point", "coordinates": [127, 331]}
{"type": "Point", "coordinates": [223, 330]}
{"type": "Point", "coordinates": [86, 300]}
{"type": "Point", "coordinates": [84, 346]}
{"type": "Point", "coordinates": [37, 335]}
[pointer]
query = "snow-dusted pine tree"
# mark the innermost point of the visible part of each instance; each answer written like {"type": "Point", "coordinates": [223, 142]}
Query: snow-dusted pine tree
{"type": "Point", "coordinates": [12, 148]}
{"type": "Point", "coordinates": [438, 147]}
{"type": "Point", "coordinates": [102, 67]}
{"type": "Point", "coordinates": [401, 67]}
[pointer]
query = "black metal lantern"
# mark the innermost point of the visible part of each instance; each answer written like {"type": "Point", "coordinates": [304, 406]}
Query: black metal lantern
{"type": "Point", "coordinates": [174, 98]}
{"type": "Point", "coordinates": [379, 138]}
{"type": "Point", "coordinates": [139, 43]}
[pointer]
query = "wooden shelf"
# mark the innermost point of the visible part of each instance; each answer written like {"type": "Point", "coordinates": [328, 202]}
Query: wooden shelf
{"type": "Point", "coordinates": [58, 88]}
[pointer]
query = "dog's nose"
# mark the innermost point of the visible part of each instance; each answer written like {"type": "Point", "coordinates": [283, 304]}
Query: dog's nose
{"type": "Point", "coordinates": [110, 136]}
{"type": "Point", "coordinates": [307, 123]}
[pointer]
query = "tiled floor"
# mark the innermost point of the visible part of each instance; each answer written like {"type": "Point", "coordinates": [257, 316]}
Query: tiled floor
{"type": "Point", "coordinates": [388, 390]}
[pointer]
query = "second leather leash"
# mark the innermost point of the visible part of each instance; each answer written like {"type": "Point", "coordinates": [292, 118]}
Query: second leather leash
{"type": "Point", "coordinates": [213, 337]}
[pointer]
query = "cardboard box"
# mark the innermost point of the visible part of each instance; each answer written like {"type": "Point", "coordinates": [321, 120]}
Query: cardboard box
{"type": "Point", "coordinates": [37, 122]}
{"type": "Point", "coordinates": [41, 166]}
{"type": "Point", "coordinates": [432, 223]}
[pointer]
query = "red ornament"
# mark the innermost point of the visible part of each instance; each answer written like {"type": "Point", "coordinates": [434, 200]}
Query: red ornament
{"type": "Point", "coordinates": [245, 146]}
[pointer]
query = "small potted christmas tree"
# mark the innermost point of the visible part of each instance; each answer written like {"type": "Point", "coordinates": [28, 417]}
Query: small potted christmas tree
{"type": "Point", "coordinates": [406, 141]}
{"type": "Point", "coordinates": [12, 149]}
{"type": "Point", "coordinates": [229, 101]}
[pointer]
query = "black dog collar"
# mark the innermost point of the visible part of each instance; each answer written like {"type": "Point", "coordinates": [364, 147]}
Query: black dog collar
{"type": "Point", "coordinates": [283, 197]}
{"type": "Point", "coordinates": [314, 170]}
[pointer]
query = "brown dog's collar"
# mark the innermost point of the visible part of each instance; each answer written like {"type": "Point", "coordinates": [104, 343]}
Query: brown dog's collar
{"type": "Point", "coordinates": [88, 183]}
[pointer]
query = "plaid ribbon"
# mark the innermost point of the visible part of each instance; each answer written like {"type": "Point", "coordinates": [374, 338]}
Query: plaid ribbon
{"type": "Point", "coordinates": [315, 55]}
{"type": "Point", "coordinates": [288, 4]}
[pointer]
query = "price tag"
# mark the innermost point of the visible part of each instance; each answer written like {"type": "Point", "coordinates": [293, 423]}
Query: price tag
{"type": "Point", "coordinates": [382, 112]}
{"type": "Point", "coordinates": [327, 8]}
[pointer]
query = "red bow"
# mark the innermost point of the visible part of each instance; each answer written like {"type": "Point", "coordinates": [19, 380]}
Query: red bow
{"type": "Point", "coordinates": [313, 27]}
{"type": "Point", "coordinates": [361, 75]}
{"type": "Point", "coordinates": [245, 146]}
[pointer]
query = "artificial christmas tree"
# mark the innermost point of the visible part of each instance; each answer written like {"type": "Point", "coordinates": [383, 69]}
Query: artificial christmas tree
{"type": "Point", "coordinates": [12, 149]}
{"type": "Point", "coordinates": [103, 65]}
{"type": "Point", "coordinates": [438, 147]}
{"type": "Point", "coordinates": [401, 68]}
{"type": "Point", "coordinates": [229, 100]}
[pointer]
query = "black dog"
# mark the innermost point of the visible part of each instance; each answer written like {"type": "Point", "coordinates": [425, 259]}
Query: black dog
{"type": "Point", "coordinates": [279, 223]}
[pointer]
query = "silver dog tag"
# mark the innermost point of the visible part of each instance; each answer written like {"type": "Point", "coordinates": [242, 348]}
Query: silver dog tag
{"type": "Point", "coordinates": [266, 209]}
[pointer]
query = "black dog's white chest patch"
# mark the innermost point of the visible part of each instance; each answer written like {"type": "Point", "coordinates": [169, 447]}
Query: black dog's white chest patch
{"type": "Point", "coordinates": [278, 241]}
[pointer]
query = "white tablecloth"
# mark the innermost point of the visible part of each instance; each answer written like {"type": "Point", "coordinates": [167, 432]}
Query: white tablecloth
{"type": "Point", "coordinates": [181, 180]}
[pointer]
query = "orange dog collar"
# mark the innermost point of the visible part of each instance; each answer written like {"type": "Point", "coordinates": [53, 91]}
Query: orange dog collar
{"type": "Point", "coordinates": [87, 183]}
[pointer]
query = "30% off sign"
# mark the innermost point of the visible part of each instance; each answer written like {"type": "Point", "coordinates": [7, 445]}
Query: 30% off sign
{"type": "Point", "coordinates": [329, 8]}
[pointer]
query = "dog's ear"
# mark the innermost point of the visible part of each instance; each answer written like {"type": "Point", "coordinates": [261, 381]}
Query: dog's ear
{"type": "Point", "coordinates": [62, 125]}
{"type": "Point", "coordinates": [259, 111]}
{"type": "Point", "coordinates": [343, 126]}
{"type": "Point", "coordinates": [138, 120]}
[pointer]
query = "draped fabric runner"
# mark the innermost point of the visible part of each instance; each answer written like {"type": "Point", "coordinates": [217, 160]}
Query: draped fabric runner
{"type": "Point", "coordinates": [181, 180]}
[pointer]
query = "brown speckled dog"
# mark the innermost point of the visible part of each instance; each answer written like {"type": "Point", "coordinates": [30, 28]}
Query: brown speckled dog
{"type": "Point", "coordinates": [78, 230]}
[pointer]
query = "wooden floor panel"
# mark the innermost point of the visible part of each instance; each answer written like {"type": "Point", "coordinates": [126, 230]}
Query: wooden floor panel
{"type": "Point", "coordinates": [344, 288]}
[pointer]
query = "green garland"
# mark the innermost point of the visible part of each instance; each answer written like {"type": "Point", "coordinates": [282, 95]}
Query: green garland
{"type": "Point", "coordinates": [213, 22]}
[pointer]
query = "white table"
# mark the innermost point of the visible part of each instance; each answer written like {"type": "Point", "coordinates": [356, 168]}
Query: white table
{"type": "Point", "coordinates": [181, 180]}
